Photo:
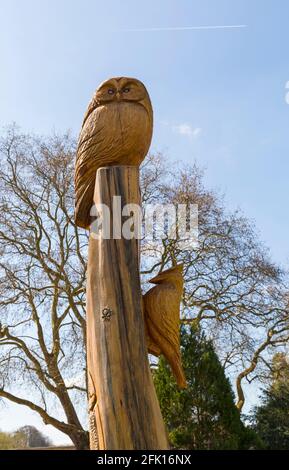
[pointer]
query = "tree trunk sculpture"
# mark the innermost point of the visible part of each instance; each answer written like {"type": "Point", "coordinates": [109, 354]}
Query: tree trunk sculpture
{"type": "Point", "coordinates": [122, 395]}
{"type": "Point", "coordinates": [124, 412]}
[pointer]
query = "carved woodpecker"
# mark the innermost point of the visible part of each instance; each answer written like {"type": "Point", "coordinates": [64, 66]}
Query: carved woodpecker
{"type": "Point", "coordinates": [161, 306]}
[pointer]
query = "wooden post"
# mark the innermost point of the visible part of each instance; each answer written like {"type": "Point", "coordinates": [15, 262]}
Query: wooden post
{"type": "Point", "coordinates": [123, 400]}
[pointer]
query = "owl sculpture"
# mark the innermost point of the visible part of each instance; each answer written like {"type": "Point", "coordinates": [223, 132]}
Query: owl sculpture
{"type": "Point", "coordinates": [161, 308]}
{"type": "Point", "coordinates": [116, 130]}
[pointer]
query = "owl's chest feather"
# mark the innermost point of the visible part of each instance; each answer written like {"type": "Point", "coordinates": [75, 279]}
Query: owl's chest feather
{"type": "Point", "coordinates": [116, 131]}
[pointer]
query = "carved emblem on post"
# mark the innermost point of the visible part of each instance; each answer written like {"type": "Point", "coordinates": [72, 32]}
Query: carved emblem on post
{"type": "Point", "coordinates": [106, 313]}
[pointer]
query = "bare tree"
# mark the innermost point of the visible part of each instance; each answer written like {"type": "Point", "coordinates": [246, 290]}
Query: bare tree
{"type": "Point", "coordinates": [231, 286]}
{"type": "Point", "coordinates": [32, 437]}
{"type": "Point", "coordinates": [42, 281]}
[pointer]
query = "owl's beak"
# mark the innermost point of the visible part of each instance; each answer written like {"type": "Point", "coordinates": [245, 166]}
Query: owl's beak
{"type": "Point", "coordinates": [118, 95]}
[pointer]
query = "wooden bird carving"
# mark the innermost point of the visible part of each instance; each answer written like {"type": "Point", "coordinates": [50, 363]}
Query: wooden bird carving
{"type": "Point", "coordinates": [116, 130]}
{"type": "Point", "coordinates": [161, 307]}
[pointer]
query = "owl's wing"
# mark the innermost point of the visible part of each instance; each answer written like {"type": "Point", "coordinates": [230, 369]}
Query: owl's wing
{"type": "Point", "coordinates": [85, 166]}
{"type": "Point", "coordinates": [91, 107]}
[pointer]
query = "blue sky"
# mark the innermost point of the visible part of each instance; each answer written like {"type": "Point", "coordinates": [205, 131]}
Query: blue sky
{"type": "Point", "coordinates": [218, 95]}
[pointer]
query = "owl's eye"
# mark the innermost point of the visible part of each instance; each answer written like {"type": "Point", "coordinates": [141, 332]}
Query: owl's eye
{"type": "Point", "coordinates": [126, 90]}
{"type": "Point", "coordinates": [110, 91]}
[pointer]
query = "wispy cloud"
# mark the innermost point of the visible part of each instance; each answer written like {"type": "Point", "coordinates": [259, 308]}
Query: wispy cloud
{"type": "Point", "coordinates": [187, 130]}
{"type": "Point", "coordinates": [185, 28]}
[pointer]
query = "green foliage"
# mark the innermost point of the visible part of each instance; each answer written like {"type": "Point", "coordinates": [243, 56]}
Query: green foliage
{"type": "Point", "coordinates": [32, 437]}
{"type": "Point", "coordinates": [25, 437]}
{"type": "Point", "coordinates": [271, 418]}
{"type": "Point", "coordinates": [204, 415]}
{"type": "Point", "coordinates": [10, 441]}
{"type": "Point", "coordinates": [5, 441]}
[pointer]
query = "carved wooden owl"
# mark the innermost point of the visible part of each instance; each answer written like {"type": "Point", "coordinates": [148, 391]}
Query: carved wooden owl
{"type": "Point", "coordinates": [161, 307]}
{"type": "Point", "coordinates": [116, 130]}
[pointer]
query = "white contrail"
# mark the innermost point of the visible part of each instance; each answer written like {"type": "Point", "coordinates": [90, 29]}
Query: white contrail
{"type": "Point", "coordinates": [185, 28]}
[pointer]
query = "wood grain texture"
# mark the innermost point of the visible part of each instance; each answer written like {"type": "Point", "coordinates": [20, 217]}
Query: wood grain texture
{"type": "Point", "coordinates": [126, 408]}
{"type": "Point", "coordinates": [161, 306]}
{"type": "Point", "coordinates": [116, 130]}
